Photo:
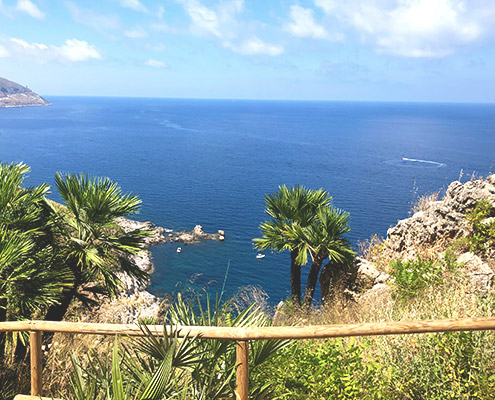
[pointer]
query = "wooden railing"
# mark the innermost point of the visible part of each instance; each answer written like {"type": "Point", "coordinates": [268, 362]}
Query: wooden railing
{"type": "Point", "coordinates": [241, 335]}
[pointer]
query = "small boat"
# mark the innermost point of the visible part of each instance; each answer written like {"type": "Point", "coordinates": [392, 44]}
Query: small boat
{"type": "Point", "coordinates": [179, 249]}
{"type": "Point", "coordinates": [259, 255]}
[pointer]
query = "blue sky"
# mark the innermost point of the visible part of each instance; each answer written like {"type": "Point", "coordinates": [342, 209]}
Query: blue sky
{"type": "Point", "coordinates": [387, 50]}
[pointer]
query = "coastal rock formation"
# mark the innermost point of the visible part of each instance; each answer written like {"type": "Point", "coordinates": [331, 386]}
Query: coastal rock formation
{"type": "Point", "coordinates": [15, 95]}
{"type": "Point", "coordinates": [428, 232]}
{"type": "Point", "coordinates": [158, 236]}
{"type": "Point", "coordinates": [134, 302]}
{"type": "Point", "coordinates": [158, 233]}
{"type": "Point", "coordinates": [440, 221]}
{"type": "Point", "coordinates": [194, 236]}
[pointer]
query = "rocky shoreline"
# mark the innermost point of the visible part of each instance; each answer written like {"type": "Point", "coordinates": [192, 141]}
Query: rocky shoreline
{"type": "Point", "coordinates": [134, 301]}
{"type": "Point", "coordinates": [427, 233]}
{"type": "Point", "coordinates": [14, 95]}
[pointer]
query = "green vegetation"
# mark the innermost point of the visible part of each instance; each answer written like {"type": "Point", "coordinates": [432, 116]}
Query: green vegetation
{"type": "Point", "coordinates": [168, 367]}
{"type": "Point", "coordinates": [304, 223]}
{"type": "Point", "coordinates": [412, 277]}
{"type": "Point", "coordinates": [325, 369]}
{"type": "Point", "coordinates": [482, 225]}
{"type": "Point", "coordinates": [51, 254]}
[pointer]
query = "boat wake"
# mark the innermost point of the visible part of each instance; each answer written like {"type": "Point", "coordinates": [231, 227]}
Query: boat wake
{"type": "Point", "coordinates": [173, 125]}
{"type": "Point", "coordinates": [415, 162]}
{"type": "Point", "coordinates": [424, 161]}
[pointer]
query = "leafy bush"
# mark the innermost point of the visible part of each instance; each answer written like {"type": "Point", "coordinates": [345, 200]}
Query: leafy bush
{"type": "Point", "coordinates": [324, 369]}
{"type": "Point", "coordinates": [444, 366]}
{"type": "Point", "coordinates": [483, 230]}
{"type": "Point", "coordinates": [412, 276]}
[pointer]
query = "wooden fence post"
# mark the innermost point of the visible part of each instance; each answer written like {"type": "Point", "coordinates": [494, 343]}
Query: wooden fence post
{"type": "Point", "coordinates": [242, 377]}
{"type": "Point", "coordinates": [35, 352]}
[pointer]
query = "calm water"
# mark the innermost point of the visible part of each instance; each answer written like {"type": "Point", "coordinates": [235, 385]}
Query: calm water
{"type": "Point", "coordinates": [210, 162]}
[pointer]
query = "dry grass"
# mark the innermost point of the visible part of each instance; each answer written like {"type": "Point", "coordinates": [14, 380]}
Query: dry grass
{"type": "Point", "coordinates": [423, 202]}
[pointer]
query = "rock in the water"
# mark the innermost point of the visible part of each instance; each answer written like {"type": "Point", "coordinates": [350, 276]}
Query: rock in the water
{"type": "Point", "coordinates": [157, 236]}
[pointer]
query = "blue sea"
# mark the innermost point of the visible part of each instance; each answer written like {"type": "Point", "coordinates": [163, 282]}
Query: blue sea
{"type": "Point", "coordinates": [210, 162]}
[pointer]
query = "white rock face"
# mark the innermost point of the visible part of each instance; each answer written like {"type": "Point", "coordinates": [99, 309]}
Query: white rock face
{"type": "Point", "coordinates": [368, 276]}
{"type": "Point", "coordinates": [478, 274]}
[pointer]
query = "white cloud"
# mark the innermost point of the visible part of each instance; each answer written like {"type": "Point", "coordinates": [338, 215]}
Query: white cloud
{"type": "Point", "coordinates": [135, 5]}
{"type": "Point", "coordinates": [160, 12]}
{"type": "Point", "coordinates": [414, 28]}
{"type": "Point", "coordinates": [302, 24]}
{"type": "Point", "coordinates": [77, 50]}
{"type": "Point", "coordinates": [96, 21]}
{"type": "Point", "coordinates": [73, 50]}
{"type": "Point", "coordinates": [223, 24]}
{"type": "Point", "coordinates": [3, 52]}
{"type": "Point", "coordinates": [256, 46]}
{"type": "Point", "coordinates": [30, 8]}
{"type": "Point", "coordinates": [155, 63]}
{"type": "Point", "coordinates": [136, 33]}
{"type": "Point", "coordinates": [203, 19]}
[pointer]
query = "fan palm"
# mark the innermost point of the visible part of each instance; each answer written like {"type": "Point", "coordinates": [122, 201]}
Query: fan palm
{"type": "Point", "coordinates": [29, 279]}
{"type": "Point", "coordinates": [323, 239]}
{"type": "Point", "coordinates": [290, 208]}
{"type": "Point", "coordinates": [89, 241]}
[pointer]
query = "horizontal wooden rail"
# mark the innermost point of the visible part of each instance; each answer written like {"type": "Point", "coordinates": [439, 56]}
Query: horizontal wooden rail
{"type": "Point", "coordinates": [264, 333]}
{"type": "Point", "coordinates": [241, 335]}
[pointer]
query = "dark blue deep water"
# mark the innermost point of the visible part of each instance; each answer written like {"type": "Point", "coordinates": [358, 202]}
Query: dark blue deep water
{"type": "Point", "coordinates": [210, 162]}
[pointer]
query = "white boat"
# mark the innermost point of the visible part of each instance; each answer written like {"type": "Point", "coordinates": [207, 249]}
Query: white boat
{"type": "Point", "coordinates": [179, 249]}
{"type": "Point", "coordinates": [259, 255]}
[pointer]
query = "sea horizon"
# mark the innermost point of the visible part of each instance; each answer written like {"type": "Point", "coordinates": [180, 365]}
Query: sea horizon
{"type": "Point", "coordinates": [269, 99]}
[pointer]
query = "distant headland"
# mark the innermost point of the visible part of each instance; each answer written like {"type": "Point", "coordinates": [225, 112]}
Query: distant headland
{"type": "Point", "coordinates": [14, 95]}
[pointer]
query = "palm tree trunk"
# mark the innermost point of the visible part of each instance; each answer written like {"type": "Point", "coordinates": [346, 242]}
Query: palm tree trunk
{"type": "Point", "coordinates": [295, 279]}
{"type": "Point", "coordinates": [3, 336]}
{"type": "Point", "coordinates": [312, 281]}
{"type": "Point", "coordinates": [57, 312]}
{"type": "Point", "coordinates": [327, 282]}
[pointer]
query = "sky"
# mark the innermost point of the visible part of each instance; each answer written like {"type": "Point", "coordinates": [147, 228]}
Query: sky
{"type": "Point", "coordinates": [348, 50]}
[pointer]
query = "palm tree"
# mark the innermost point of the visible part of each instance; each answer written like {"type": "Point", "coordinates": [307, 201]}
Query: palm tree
{"type": "Point", "coordinates": [323, 239]}
{"type": "Point", "coordinates": [288, 208]}
{"type": "Point", "coordinates": [89, 241]}
{"type": "Point", "coordinates": [29, 280]}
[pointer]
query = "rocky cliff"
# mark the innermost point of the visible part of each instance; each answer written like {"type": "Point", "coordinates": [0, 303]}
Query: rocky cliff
{"type": "Point", "coordinates": [15, 95]}
{"type": "Point", "coordinates": [430, 231]}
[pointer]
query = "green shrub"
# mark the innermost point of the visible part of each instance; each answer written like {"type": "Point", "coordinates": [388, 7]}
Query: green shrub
{"type": "Point", "coordinates": [413, 276]}
{"type": "Point", "coordinates": [483, 232]}
{"type": "Point", "coordinates": [324, 369]}
{"type": "Point", "coordinates": [444, 366]}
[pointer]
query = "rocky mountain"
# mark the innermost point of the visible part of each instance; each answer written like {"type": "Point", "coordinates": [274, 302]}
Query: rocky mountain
{"type": "Point", "coordinates": [14, 95]}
